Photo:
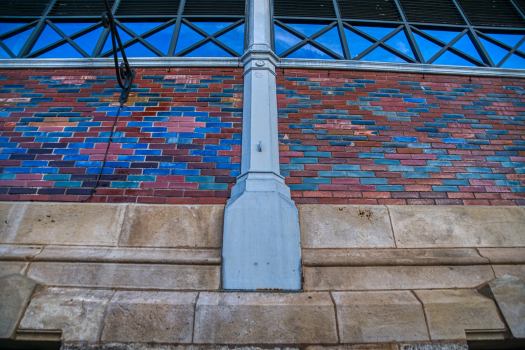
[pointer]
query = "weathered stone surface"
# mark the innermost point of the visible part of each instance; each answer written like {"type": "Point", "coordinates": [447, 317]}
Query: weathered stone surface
{"type": "Point", "coordinates": [504, 255]}
{"type": "Point", "coordinates": [160, 317]}
{"type": "Point", "coordinates": [15, 292]}
{"type": "Point", "coordinates": [11, 252]}
{"type": "Point", "coordinates": [131, 255]}
{"type": "Point", "coordinates": [391, 257]}
{"type": "Point", "coordinates": [513, 270]}
{"type": "Point", "coordinates": [133, 276]}
{"type": "Point", "coordinates": [10, 267]}
{"type": "Point", "coordinates": [77, 312]}
{"type": "Point", "coordinates": [73, 224]}
{"type": "Point", "coordinates": [452, 313]}
{"type": "Point", "coordinates": [458, 226]}
{"type": "Point", "coordinates": [8, 212]}
{"type": "Point", "coordinates": [509, 292]}
{"type": "Point", "coordinates": [345, 226]}
{"type": "Point", "coordinates": [435, 346]}
{"type": "Point", "coordinates": [183, 226]}
{"type": "Point", "coordinates": [395, 277]}
{"type": "Point", "coordinates": [368, 317]}
{"type": "Point", "coordinates": [252, 318]}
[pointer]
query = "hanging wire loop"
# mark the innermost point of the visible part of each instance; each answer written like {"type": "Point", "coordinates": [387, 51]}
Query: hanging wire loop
{"type": "Point", "coordinates": [125, 74]}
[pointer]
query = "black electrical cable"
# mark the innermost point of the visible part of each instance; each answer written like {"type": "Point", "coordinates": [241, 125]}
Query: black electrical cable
{"type": "Point", "coordinates": [105, 157]}
{"type": "Point", "coordinates": [123, 72]}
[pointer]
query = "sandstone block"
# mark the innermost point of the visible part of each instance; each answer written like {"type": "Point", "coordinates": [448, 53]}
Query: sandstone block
{"type": "Point", "coordinates": [15, 292]}
{"type": "Point", "coordinates": [513, 270]}
{"type": "Point", "coordinates": [9, 252]}
{"type": "Point", "coordinates": [453, 314]}
{"type": "Point", "coordinates": [182, 226]}
{"type": "Point", "coordinates": [395, 277]}
{"type": "Point", "coordinates": [368, 317]}
{"type": "Point", "coordinates": [77, 312]}
{"type": "Point", "coordinates": [158, 317]}
{"type": "Point", "coordinates": [391, 257]}
{"type": "Point", "coordinates": [132, 276]}
{"type": "Point", "coordinates": [255, 318]}
{"type": "Point", "coordinates": [10, 267]}
{"type": "Point", "coordinates": [345, 226]}
{"type": "Point", "coordinates": [68, 224]}
{"type": "Point", "coordinates": [458, 226]}
{"type": "Point", "coordinates": [504, 255]}
{"type": "Point", "coordinates": [131, 255]}
{"type": "Point", "coordinates": [509, 292]}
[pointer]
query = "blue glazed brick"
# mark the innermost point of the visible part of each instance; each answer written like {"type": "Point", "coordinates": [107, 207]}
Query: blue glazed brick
{"type": "Point", "coordinates": [304, 161]}
{"type": "Point", "coordinates": [513, 164]}
{"type": "Point", "coordinates": [7, 176]}
{"type": "Point", "coordinates": [228, 166]}
{"type": "Point", "coordinates": [428, 169]}
{"type": "Point", "coordinates": [213, 186]}
{"type": "Point", "coordinates": [478, 170]}
{"type": "Point", "coordinates": [17, 170]}
{"type": "Point", "coordinates": [67, 184]}
{"type": "Point", "coordinates": [373, 181]}
{"type": "Point", "coordinates": [216, 159]}
{"type": "Point", "coordinates": [303, 187]}
{"type": "Point", "coordinates": [390, 188]}
{"type": "Point", "coordinates": [76, 157]}
{"type": "Point", "coordinates": [89, 164]}
{"type": "Point", "coordinates": [405, 139]}
{"type": "Point", "coordinates": [445, 188]}
{"type": "Point", "coordinates": [156, 171]}
{"type": "Point", "coordinates": [44, 170]}
{"type": "Point", "coordinates": [418, 110]}
{"type": "Point", "coordinates": [318, 154]}
{"type": "Point", "coordinates": [332, 174]}
{"type": "Point", "coordinates": [361, 174]}
{"type": "Point", "coordinates": [124, 184]}
{"type": "Point", "coordinates": [141, 178]}
{"type": "Point", "coordinates": [416, 175]}
{"type": "Point", "coordinates": [438, 163]}
{"type": "Point", "coordinates": [371, 155]}
{"type": "Point", "coordinates": [468, 176]}
{"type": "Point", "coordinates": [507, 183]}
{"type": "Point", "coordinates": [291, 167]}
{"type": "Point", "coordinates": [419, 145]}
{"type": "Point", "coordinates": [33, 163]}
{"type": "Point", "coordinates": [386, 161]}
{"type": "Point", "coordinates": [346, 167]}
{"type": "Point", "coordinates": [454, 141]}
{"type": "Point", "coordinates": [400, 168]}
{"type": "Point", "coordinates": [414, 100]}
{"type": "Point", "coordinates": [456, 182]}
{"type": "Point", "coordinates": [185, 171]}
{"type": "Point", "coordinates": [314, 180]}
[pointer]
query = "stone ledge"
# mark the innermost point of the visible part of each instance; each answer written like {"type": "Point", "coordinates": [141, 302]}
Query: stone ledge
{"type": "Point", "coordinates": [126, 276]}
{"type": "Point", "coordinates": [392, 257]}
{"type": "Point", "coordinates": [130, 255]}
{"type": "Point", "coordinates": [362, 278]}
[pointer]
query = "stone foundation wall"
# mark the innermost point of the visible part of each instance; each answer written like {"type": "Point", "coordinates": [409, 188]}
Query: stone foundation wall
{"type": "Point", "coordinates": [385, 277]}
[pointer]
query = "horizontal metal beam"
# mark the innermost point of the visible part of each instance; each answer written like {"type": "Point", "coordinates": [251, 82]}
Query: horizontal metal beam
{"type": "Point", "coordinates": [284, 63]}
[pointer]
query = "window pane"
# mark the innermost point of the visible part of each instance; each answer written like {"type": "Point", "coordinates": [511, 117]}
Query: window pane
{"type": "Point", "coordinates": [187, 37]}
{"type": "Point", "coordinates": [376, 32]}
{"type": "Point", "coordinates": [496, 53]}
{"type": "Point", "coordinates": [427, 48]}
{"type": "Point", "coordinates": [16, 42]}
{"type": "Point", "coordinates": [162, 39]}
{"type": "Point", "coordinates": [71, 28]}
{"type": "Point", "coordinates": [450, 59]}
{"type": "Point", "coordinates": [465, 45]}
{"type": "Point", "coordinates": [306, 29]}
{"type": "Point", "coordinates": [212, 27]}
{"type": "Point", "coordinates": [509, 39]}
{"type": "Point", "coordinates": [356, 43]}
{"type": "Point", "coordinates": [123, 38]}
{"type": "Point", "coordinates": [63, 51]}
{"type": "Point", "coordinates": [88, 41]}
{"type": "Point", "coordinates": [284, 40]}
{"type": "Point", "coordinates": [6, 27]}
{"type": "Point", "coordinates": [332, 41]}
{"type": "Point", "coordinates": [308, 51]}
{"type": "Point", "coordinates": [400, 43]}
{"type": "Point", "coordinates": [383, 55]}
{"type": "Point", "coordinates": [443, 35]}
{"type": "Point", "coordinates": [514, 61]}
{"type": "Point", "coordinates": [209, 50]}
{"type": "Point", "coordinates": [141, 27]}
{"type": "Point", "coordinates": [234, 39]}
{"type": "Point", "coordinates": [48, 36]}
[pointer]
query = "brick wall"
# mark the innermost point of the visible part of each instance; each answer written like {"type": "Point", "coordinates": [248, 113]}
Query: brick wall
{"type": "Point", "coordinates": [177, 140]}
{"type": "Point", "coordinates": [390, 138]}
